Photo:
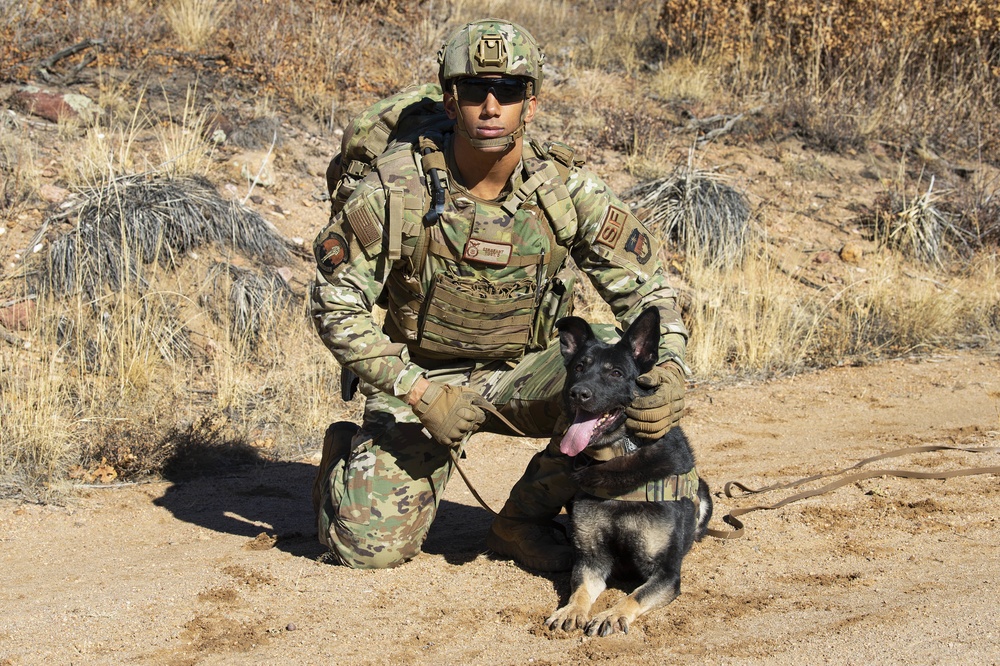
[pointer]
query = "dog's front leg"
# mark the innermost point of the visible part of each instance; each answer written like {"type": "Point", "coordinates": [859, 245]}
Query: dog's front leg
{"type": "Point", "coordinates": [588, 583]}
{"type": "Point", "coordinates": [659, 590]}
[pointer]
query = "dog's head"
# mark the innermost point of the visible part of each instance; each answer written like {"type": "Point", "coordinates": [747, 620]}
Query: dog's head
{"type": "Point", "coordinates": [600, 378]}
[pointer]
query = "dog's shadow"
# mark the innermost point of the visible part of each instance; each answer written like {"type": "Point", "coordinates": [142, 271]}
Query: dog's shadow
{"type": "Point", "coordinates": [255, 496]}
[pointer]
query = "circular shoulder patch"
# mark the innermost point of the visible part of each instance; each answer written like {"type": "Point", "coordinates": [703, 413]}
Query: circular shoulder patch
{"type": "Point", "coordinates": [331, 252]}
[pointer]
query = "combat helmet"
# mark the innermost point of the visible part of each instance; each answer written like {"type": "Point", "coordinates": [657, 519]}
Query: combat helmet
{"type": "Point", "coordinates": [491, 46]}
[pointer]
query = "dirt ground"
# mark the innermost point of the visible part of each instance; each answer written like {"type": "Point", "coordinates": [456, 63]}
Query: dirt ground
{"type": "Point", "coordinates": [227, 569]}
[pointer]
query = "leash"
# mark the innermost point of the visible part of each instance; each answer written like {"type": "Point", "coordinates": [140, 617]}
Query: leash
{"type": "Point", "coordinates": [488, 406]}
{"type": "Point", "coordinates": [732, 518]}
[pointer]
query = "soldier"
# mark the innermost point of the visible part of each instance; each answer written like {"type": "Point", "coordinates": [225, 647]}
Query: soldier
{"type": "Point", "coordinates": [464, 238]}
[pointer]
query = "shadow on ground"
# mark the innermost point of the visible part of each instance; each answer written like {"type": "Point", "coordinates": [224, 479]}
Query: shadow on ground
{"type": "Point", "coordinates": [273, 498]}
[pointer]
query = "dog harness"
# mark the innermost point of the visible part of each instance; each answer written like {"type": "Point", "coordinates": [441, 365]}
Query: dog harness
{"type": "Point", "coordinates": [670, 489]}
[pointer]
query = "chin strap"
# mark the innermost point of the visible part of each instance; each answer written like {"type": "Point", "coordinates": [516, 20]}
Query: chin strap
{"type": "Point", "coordinates": [504, 141]}
{"type": "Point", "coordinates": [500, 141]}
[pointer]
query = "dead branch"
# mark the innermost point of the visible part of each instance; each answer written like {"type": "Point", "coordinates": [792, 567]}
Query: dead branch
{"type": "Point", "coordinates": [729, 122]}
{"type": "Point", "coordinates": [48, 63]}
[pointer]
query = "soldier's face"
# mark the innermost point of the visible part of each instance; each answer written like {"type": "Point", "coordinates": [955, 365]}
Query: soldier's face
{"type": "Point", "coordinates": [488, 118]}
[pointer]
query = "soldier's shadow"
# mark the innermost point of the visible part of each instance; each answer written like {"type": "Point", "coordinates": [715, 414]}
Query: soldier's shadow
{"type": "Point", "coordinates": [250, 500]}
{"type": "Point", "coordinates": [269, 502]}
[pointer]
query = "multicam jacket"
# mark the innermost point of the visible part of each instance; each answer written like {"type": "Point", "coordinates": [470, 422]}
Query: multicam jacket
{"type": "Point", "coordinates": [487, 280]}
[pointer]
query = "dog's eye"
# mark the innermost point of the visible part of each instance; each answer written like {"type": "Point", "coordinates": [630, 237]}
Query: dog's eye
{"type": "Point", "coordinates": [579, 367]}
{"type": "Point", "coordinates": [616, 373]}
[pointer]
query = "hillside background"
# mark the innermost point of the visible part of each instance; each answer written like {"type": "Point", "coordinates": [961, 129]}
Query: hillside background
{"type": "Point", "coordinates": [824, 176]}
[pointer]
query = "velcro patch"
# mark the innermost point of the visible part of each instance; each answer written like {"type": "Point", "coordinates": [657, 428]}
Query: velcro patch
{"type": "Point", "coordinates": [638, 244]}
{"type": "Point", "coordinates": [612, 226]}
{"type": "Point", "coordinates": [365, 224]}
{"type": "Point", "coordinates": [331, 251]}
{"type": "Point", "coordinates": [488, 252]}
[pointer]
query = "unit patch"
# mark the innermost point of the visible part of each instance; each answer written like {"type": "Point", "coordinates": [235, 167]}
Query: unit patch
{"type": "Point", "coordinates": [331, 252]}
{"type": "Point", "coordinates": [488, 252]}
{"type": "Point", "coordinates": [639, 245]}
{"type": "Point", "coordinates": [612, 226]}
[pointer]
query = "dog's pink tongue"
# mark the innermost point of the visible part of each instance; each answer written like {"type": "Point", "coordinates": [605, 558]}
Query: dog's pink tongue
{"type": "Point", "coordinates": [578, 435]}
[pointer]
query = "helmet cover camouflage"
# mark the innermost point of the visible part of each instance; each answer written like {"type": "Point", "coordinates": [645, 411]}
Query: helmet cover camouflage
{"type": "Point", "coordinates": [491, 46]}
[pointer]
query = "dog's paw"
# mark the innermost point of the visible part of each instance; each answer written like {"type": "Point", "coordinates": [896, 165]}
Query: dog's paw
{"type": "Point", "coordinates": [607, 623]}
{"type": "Point", "coordinates": [568, 618]}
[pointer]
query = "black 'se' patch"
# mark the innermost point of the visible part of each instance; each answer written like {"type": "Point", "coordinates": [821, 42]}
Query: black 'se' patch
{"type": "Point", "coordinates": [331, 252]}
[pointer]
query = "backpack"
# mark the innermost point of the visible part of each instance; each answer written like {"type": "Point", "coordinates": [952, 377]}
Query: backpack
{"type": "Point", "coordinates": [400, 118]}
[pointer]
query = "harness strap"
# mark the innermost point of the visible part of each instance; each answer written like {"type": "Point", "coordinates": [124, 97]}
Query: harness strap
{"type": "Point", "coordinates": [669, 489]}
{"type": "Point", "coordinates": [732, 517]}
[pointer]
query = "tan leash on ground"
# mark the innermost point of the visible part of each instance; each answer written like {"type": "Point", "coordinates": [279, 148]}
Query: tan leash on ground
{"type": "Point", "coordinates": [731, 518]}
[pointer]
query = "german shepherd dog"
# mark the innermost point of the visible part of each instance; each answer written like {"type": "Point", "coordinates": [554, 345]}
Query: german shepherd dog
{"type": "Point", "coordinates": [616, 528]}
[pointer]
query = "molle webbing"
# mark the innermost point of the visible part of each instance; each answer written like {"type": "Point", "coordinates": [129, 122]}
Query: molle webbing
{"type": "Point", "coordinates": [476, 318]}
{"type": "Point", "coordinates": [670, 489]}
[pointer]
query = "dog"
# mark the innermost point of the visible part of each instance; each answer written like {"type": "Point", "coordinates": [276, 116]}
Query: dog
{"type": "Point", "coordinates": [620, 524]}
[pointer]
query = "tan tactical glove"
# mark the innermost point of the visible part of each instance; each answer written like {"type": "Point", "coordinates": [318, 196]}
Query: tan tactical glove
{"type": "Point", "coordinates": [650, 417]}
{"type": "Point", "coordinates": [450, 412]}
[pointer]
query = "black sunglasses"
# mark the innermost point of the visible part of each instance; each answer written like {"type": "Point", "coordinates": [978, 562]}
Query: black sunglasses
{"type": "Point", "coordinates": [506, 91]}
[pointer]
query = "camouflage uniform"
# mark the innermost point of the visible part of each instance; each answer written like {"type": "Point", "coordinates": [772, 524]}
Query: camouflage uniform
{"type": "Point", "coordinates": [471, 300]}
{"type": "Point", "coordinates": [382, 497]}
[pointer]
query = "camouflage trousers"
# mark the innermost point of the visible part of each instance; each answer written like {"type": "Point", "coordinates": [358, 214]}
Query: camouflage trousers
{"type": "Point", "coordinates": [379, 498]}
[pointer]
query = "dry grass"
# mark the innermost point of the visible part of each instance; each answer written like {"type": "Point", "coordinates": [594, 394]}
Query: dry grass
{"type": "Point", "coordinates": [195, 21]}
{"type": "Point", "coordinates": [850, 71]}
{"type": "Point", "coordinates": [752, 321]}
{"type": "Point", "coordinates": [146, 359]}
{"type": "Point", "coordinates": [18, 171]}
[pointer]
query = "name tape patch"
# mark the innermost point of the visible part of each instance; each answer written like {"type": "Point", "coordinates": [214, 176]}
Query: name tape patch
{"type": "Point", "coordinates": [488, 252]}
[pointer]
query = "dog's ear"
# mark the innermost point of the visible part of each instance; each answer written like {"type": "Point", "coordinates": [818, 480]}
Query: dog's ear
{"type": "Point", "coordinates": [643, 339]}
{"type": "Point", "coordinates": [573, 334]}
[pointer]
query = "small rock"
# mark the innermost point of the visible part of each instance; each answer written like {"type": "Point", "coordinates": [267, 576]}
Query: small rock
{"type": "Point", "coordinates": [823, 257]}
{"type": "Point", "coordinates": [290, 626]}
{"type": "Point", "coordinates": [54, 106]}
{"type": "Point", "coordinates": [18, 316]}
{"type": "Point", "coordinates": [52, 193]}
{"type": "Point", "coordinates": [285, 273]}
{"type": "Point", "coordinates": [852, 252]}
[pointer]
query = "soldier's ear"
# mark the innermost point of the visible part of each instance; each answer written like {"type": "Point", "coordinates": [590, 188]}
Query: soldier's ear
{"type": "Point", "coordinates": [450, 106]}
{"type": "Point", "coordinates": [532, 108]}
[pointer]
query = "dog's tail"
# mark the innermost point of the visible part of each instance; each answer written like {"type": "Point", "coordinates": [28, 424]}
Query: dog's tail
{"type": "Point", "coordinates": [704, 509]}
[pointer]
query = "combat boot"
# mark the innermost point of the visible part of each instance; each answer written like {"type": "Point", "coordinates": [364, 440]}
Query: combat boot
{"type": "Point", "coordinates": [336, 445]}
{"type": "Point", "coordinates": [529, 542]}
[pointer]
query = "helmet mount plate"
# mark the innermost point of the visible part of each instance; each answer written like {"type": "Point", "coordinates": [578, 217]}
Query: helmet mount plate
{"type": "Point", "coordinates": [491, 52]}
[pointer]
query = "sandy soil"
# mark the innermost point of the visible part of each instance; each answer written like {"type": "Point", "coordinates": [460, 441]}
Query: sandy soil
{"type": "Point", "coordinates": [227, 569]}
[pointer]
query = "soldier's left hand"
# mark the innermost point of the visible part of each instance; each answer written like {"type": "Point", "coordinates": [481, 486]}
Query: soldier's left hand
{"type": "Point", "coordinates": [651, 416]}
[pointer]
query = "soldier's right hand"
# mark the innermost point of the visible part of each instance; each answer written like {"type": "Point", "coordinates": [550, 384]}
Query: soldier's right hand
{"type": "Point", "coordinates": [449, 413]}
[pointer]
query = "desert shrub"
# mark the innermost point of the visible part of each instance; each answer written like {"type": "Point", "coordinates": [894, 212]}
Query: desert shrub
{"type": "Point", "coordinates": [922, 227]}
{"type": "Point", "coordinates": [705, 218]}
{"type": "Point", "coordinates": [133, 222]}
{"type": "Point", "coordinates": [249, 303]}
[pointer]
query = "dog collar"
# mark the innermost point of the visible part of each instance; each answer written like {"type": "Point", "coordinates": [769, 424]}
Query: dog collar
{"type": "Point", "coordinates": [670, 489]}
{"type": "Point", "coordinates": [622, 447]}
